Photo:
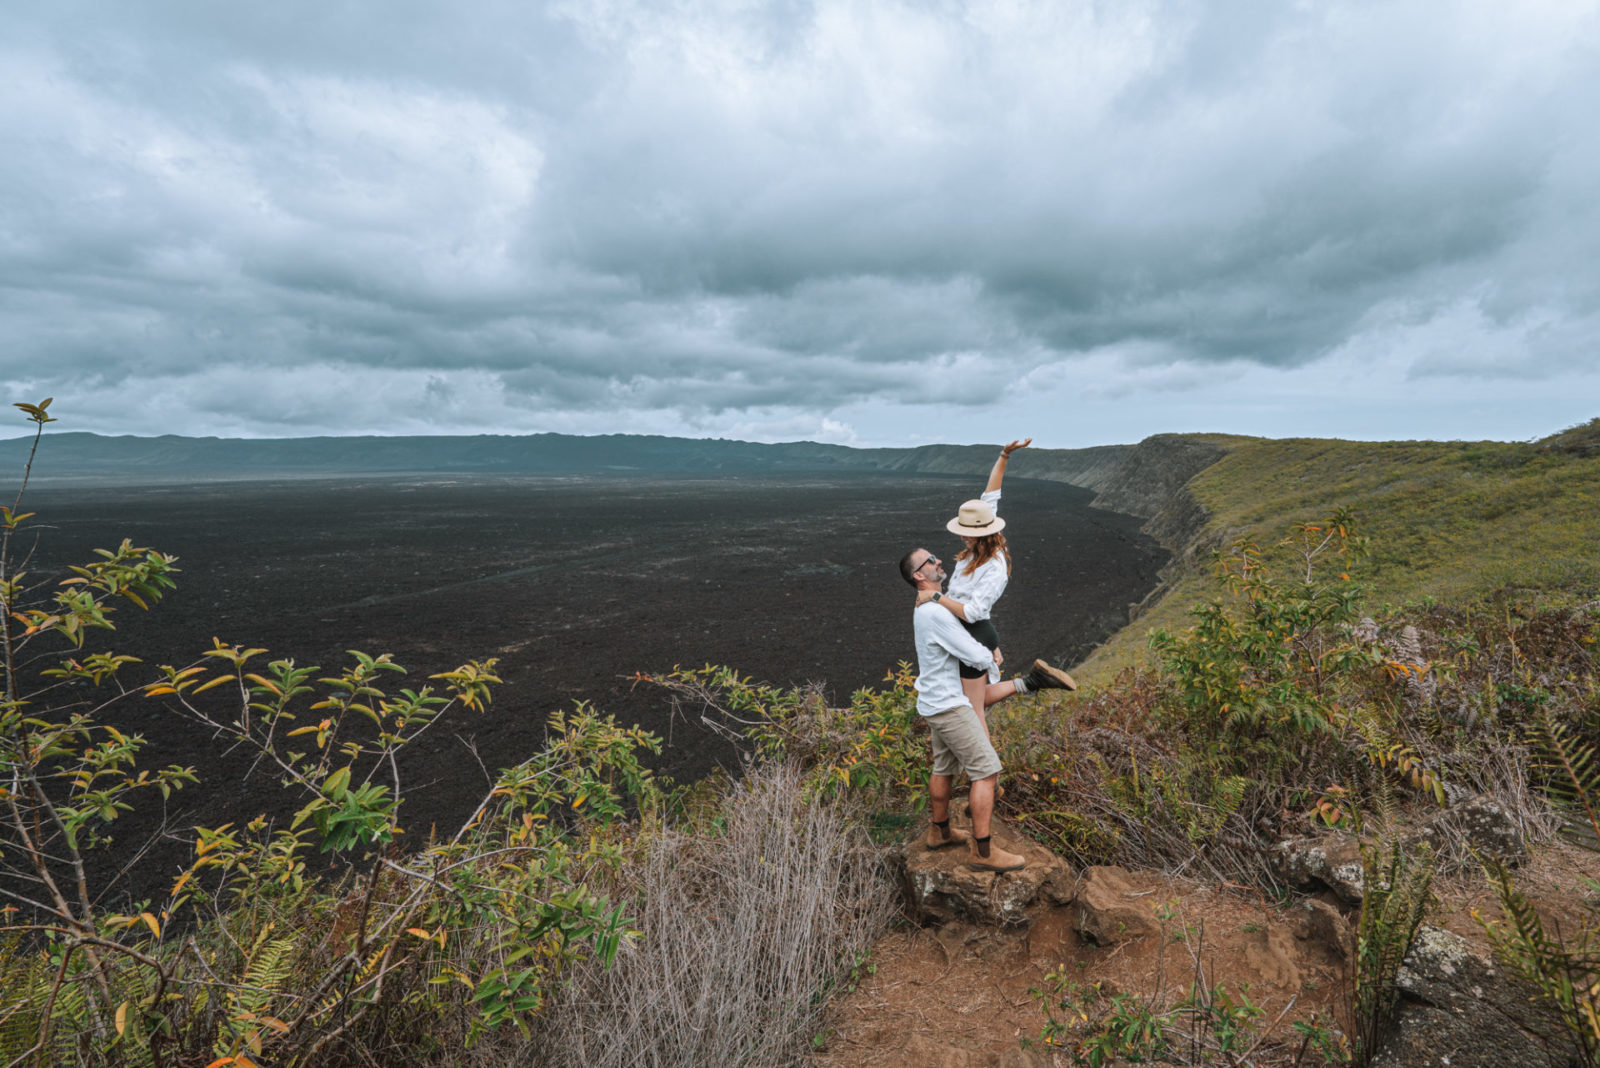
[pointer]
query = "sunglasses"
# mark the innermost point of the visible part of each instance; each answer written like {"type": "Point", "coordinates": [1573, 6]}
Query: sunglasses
{"type": "Point", "coordinates": [932, 559]}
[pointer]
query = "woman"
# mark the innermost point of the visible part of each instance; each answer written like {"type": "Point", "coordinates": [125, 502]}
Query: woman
{"type": "Point", "coordinates": [982, 570]}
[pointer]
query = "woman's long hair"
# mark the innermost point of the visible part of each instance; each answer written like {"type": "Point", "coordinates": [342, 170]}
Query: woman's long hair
{"type": "Point", "coordinates": [983, 550]}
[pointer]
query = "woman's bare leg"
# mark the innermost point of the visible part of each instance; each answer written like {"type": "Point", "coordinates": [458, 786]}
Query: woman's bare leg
{"type": "Point", "coordinates": [977, 691]}
{"type": "Point", "coordinates": [998, 692]}
{"type": "Point", "coordinates": [981, 694]}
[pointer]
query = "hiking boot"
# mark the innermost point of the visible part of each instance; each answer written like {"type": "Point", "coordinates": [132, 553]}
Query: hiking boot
{"type": "Point", "coordinates": [998, 859]}
{"type": "Point", "coordinates": [1045, 677]}
{"type": "Point", "coordinates": [934, 840]}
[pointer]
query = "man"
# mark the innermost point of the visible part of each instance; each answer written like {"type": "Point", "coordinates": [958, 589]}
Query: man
{"type": "Point", "coordinates": [960, 741]}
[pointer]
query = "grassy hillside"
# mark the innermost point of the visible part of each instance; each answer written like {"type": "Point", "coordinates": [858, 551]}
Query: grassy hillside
{"type": "Point", "coordinates": [1454, 521]}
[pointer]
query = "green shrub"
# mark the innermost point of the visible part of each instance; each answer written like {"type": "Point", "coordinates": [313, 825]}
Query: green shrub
{"type": "Point", "coordinates": [876, 746]}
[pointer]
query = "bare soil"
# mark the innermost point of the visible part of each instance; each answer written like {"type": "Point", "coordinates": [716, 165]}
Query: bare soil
{"type": "Point", "coordinates": [958, 996]}
{"type": "Point", "coordinates": [575, 584]}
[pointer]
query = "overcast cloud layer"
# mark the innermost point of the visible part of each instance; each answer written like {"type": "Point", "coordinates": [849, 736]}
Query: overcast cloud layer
{"type": "Point", "coordinates": [857, 221]}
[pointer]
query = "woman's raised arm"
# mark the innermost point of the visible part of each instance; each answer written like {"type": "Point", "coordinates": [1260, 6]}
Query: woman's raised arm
{"type": "Point", "coordinates": [998, 474]}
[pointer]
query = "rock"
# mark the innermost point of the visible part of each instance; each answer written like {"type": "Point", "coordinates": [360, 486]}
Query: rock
{"type": "Point", "coordinates": [1459, 1007]}
{"type": "Point", "coordinates": [1482, 823]}
{"type": "Point", "coordinates": [1332, 861]}
{"type": "Point", "coordinates": [1324, 926]}
{"type": "Point", "coordinates": [939, 887]}
{"type": "Point", "coordinates": [1108, 910]}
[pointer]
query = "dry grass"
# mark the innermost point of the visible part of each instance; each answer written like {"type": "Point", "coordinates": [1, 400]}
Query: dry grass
{"type": "Point", "coordinates": [746, 929]}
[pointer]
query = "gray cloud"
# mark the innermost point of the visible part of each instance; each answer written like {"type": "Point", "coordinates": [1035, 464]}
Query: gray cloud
{"type": "Point", "coordinates": [762, 214]}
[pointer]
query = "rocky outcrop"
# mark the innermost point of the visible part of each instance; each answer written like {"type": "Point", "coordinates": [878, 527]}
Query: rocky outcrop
{"type": "Point", "coordinates": [1459, 1008]}
{"type": "Point", "coordinates": [1331, 861]}
{"type": "Point", "coordinates": [1482, 824]}
{"type": "Point", "coordinates": [1110, 910]}
{"type": "Point", "coordinates": [940, 887]}
{"type": "Point", "coordinates": [1153, 473]}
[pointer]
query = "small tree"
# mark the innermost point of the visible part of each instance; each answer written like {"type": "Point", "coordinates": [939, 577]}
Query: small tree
{"type": "Point", "coordinates": [1259, 674]}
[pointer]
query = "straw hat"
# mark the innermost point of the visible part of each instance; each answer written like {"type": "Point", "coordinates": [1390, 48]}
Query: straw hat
{"type": "Point", "coordinates": [975, 520]}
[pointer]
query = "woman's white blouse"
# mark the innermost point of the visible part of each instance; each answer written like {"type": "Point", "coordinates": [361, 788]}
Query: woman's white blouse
{"type": "Point", "coordinates": [981, 589]}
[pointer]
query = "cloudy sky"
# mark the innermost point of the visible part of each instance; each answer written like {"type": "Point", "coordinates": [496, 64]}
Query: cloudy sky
{"type": "Point", "coordinates": [859, 221]}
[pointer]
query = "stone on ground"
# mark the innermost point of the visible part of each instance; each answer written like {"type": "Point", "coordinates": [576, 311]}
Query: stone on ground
{"type": "Point", "coordinates": [940, 887]}
{"type": "Point", "coordinates": [1332, 861]}
{"type": "Point", "coordinates": [1110, 909]}
{"type": "Point", "coordinates": [1460, 1008]}
{"type": "Point", "coordinates": [1483, 824]}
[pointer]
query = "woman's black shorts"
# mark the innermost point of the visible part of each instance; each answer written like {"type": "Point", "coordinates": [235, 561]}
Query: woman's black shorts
{"type": "Point", "coordinates": [984, 631]}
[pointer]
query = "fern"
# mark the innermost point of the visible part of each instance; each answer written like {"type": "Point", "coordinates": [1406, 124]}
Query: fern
{"type": "Point", "coordinates": [1575, 777]}
{"type": "Point", "coordinates": [1566, 973]}
{"type": "Point", "coordinates": [1396, 897]}
{"type": "Point", "coordinates": [267, 966]}
{"type": "Point", "coordinates": [27, 979]}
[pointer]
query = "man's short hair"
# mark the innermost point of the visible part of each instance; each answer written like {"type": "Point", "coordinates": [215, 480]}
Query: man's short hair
{"type": "Point", "coordinates": [907, 571]}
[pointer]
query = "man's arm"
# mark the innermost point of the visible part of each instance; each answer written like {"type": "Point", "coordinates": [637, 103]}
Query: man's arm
{"type": "Point", "coordinates": [955, 640]}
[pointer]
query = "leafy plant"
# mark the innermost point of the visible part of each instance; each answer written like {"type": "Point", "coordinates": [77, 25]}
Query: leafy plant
{"type": "Point", "coordinates": [1258, 676]}
{"type": "Point", "coordinates": [249, 959]}
{"type": "Point", "coordinates": [875, 745]}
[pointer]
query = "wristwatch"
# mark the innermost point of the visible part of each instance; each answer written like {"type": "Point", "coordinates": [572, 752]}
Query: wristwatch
{"type": "Point", "coordinates": [936, 597]}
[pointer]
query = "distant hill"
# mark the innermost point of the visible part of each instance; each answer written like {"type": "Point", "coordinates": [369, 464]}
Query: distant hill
{"type": "Point", "coordinates": [167, 458]}
{"type": "Point", "coordinates": [1133, 479]}
{"type": "Point", "coordinates": [93, 456]}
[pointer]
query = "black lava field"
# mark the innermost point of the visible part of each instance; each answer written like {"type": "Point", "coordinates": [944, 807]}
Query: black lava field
{"type": "Point", "coordinates": [575, 585]}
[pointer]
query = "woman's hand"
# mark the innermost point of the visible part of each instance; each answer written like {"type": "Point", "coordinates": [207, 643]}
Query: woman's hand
{"type": "Point", "coordinates": [1014, 446]}
{"type": "Point", "coordinates": [924, 596]}
{"type": "Point", "coordinates": [998, 659]}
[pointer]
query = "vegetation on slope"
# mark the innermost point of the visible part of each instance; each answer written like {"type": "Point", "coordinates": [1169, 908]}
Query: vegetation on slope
{"type": "Point", "coordinates": [1454, 522]}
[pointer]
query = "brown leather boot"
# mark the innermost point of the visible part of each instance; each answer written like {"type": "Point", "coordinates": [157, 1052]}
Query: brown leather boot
{"type": "Point", "coordinates": [998, 859]}
{"type": "Point", "coordinates": [937, 840]}
{"type": "Point", "coordinates": [1045, 677]}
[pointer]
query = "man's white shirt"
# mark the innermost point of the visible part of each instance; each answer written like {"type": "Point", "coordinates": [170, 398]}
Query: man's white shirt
{"type": "Point", "coordinates": [942, 642]}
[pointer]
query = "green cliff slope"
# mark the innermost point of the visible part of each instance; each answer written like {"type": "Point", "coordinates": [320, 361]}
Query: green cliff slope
{"type": "Point", "coordinates": [1454, 521]}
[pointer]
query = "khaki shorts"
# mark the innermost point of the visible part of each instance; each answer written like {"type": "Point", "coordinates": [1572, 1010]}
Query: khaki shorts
{"type": "Point", "coordinates": [961, 744]}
